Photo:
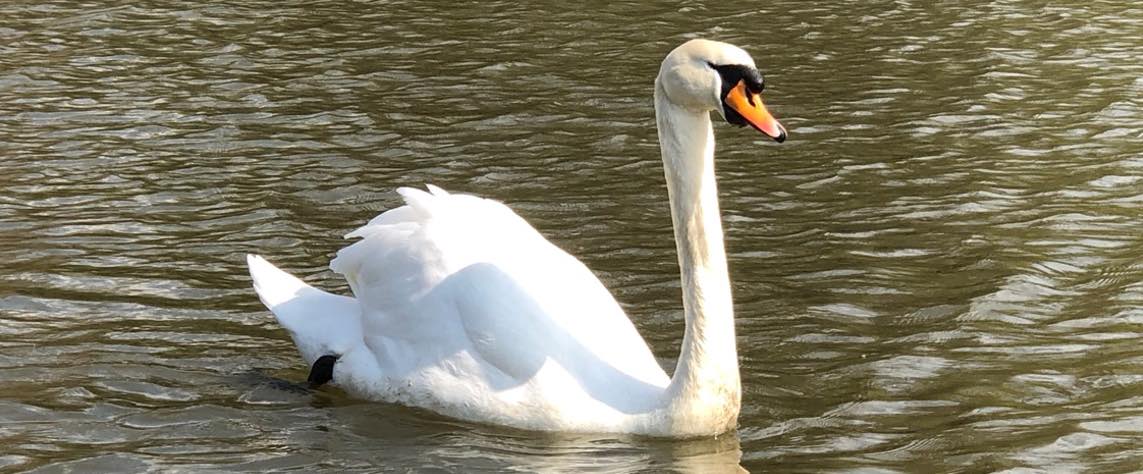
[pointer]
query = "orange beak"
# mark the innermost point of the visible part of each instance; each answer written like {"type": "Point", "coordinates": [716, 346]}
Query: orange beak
{"type": "Point", "coordinates": [750, 107]}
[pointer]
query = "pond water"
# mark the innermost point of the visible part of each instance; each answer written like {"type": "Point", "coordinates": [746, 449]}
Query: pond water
{"type": "Point", "coordinates": [941, 270]}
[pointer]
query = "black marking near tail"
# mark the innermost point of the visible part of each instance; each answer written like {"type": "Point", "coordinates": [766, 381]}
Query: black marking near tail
{"type": "Point", "coordinates": [322, 371]}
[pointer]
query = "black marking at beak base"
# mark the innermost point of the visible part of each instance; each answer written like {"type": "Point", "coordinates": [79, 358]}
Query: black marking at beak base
{"type": "Point", "coordinates": [731, 75]}
{"type": "Point", "coordinates": [732, 116]}
{"type": "Point", "coordinates": [322, 371]}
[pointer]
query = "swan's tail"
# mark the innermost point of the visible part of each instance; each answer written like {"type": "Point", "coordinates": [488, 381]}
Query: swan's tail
{"type": "Point", "coordinates": [320, 323]}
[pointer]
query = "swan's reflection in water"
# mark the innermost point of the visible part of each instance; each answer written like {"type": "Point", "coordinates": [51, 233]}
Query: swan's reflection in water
{"type": "Point", "coordinates": [387, 435]}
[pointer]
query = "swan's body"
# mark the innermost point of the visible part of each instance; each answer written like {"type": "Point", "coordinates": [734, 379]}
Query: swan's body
{"type": "Point", "coordinates": [464, 309]}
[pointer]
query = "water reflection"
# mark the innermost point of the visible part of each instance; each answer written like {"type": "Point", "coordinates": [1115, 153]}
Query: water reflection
{"type": "Point", "coordinates": [467, 447]}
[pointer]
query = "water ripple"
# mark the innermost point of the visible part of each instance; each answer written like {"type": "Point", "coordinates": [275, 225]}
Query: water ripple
{"type": "Point", "coordinates": [944, 254]}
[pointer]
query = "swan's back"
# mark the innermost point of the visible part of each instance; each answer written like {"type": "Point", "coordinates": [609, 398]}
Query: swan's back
{"type": "Point", "coordinates": [461, 296]}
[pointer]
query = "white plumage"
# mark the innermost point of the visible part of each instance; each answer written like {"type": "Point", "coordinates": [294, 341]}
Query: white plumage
{"type": "Point", "coordinates": [462, 305]}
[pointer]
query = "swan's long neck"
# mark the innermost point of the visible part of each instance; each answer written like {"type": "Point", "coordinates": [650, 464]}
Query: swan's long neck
{"type": "Point", "coordinates": [705, 388]}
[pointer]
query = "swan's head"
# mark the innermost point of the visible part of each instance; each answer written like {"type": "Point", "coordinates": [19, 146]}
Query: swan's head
{"type": "Point", "coordinates": [705, 75]}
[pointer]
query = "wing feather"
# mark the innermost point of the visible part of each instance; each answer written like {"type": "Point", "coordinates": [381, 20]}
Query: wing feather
{"type": "Point", "coordinates": [518, 297]}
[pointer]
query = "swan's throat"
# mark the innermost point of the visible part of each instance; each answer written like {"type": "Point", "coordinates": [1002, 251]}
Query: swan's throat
{"type": "Point", "coordinates": [706, 381]}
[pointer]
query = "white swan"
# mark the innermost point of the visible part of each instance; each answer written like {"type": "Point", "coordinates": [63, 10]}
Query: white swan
{"type": "Point", "coordinates": [464, 309]}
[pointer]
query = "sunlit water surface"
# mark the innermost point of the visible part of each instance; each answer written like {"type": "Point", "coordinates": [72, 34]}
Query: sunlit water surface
{"type": "Point", "coordinates": [941, 270]}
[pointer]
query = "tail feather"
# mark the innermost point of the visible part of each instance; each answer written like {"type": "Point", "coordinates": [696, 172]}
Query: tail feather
{"type": "Point", "coordinates": [320, 323]}
{"type": "Point", "coordinates": [273, 285]}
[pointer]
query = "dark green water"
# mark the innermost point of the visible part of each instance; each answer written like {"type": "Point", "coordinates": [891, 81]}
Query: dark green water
{"type": "Point", "coordinates": [940, 271]}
